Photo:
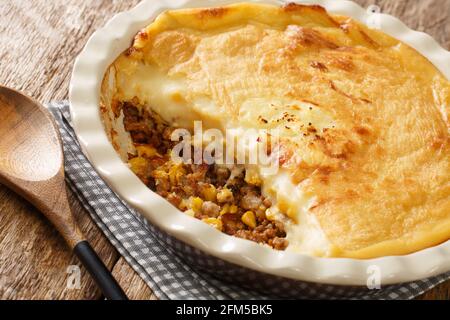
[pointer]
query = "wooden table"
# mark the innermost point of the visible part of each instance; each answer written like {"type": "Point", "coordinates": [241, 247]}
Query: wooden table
{"type": "Point", "coordinates": [39, 40]}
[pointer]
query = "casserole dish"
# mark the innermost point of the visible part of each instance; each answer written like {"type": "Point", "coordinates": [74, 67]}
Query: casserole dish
{"type": "Point", "coordinates": [101, 51]}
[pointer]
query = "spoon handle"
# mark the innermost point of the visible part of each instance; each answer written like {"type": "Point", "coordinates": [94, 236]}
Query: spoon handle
{"type": "Point", "coordinates": [97, 269]}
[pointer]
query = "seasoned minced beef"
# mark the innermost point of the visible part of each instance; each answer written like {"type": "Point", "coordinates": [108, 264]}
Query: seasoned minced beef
{"type": "Point", "coordinates": [207, 192]}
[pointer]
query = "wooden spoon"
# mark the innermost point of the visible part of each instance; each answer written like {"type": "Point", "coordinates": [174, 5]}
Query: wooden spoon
{"type": "Point", "coordinates": [32, 164]}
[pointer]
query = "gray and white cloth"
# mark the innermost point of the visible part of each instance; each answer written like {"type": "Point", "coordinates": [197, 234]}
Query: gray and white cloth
{"type": "Point", "coordinates": [174, 270]}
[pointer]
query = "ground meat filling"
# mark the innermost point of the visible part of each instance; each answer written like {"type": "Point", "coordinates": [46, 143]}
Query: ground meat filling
{"type": "Point", "coordinates": [211, 193]}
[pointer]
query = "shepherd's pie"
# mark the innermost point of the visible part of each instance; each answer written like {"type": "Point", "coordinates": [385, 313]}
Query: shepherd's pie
{"type": "Point", "coordinates": [363, 121]}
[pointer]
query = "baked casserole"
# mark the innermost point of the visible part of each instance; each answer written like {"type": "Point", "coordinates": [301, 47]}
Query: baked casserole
{"type": "Point", "coordinates": [363, 152]}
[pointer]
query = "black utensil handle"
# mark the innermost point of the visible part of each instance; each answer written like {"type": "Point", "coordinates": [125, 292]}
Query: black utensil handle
{"type": "Point", "coordinates": [97, 269]}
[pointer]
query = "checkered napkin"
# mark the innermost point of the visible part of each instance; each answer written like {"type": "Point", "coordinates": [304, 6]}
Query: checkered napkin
{"type": "Point", "coordinates": [174, 270]}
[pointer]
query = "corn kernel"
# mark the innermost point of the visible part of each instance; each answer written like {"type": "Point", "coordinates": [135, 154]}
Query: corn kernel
{"type": "Point", "coordinates": [249, 219]}
{"type": "Point", "coordinates": [175, 173]}
{"type": "Point", "coordinates": [209, 193]}
{"type": "Point", "coordinates": [262, 208]}
{"type": "Point", "coordinates": [225, 209]}
{"type": "Point", "coordinates": [233, 208]}
{"type": "Point", "coordinates": [183, 205]}
{"type": "Point", "coordinates": [224, 195]}
{"type": "Point", "coordinates": [146, 151]}
{"type": "Point", "coordinates": [270, 215]}
{"type": "Point", "coordinates": [138, 165]}
{"type": "Point", "coordinates": [216, 223]}
{"type": "Point", "coordinates": [190, 213]}
{"type": "Point", "coordinates": [196, 204]}
{"type": "Point", "coordinates": [172, 175]}
{"type": "Point", "coordinates": [159, 174]}
{"type": "Point", "coordinates": [252, 177]}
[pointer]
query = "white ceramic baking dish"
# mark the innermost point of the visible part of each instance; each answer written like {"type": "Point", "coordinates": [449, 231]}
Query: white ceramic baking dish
{"type": "Point", "coordinates": [103, 48]}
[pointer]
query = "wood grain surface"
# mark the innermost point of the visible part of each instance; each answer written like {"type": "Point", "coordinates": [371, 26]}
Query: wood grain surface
{"type": "Point", "coordinates": [39, 40]}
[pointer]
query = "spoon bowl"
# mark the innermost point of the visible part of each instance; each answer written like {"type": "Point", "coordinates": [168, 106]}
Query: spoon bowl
{"type": "Point", "coordinates": [29, 148]}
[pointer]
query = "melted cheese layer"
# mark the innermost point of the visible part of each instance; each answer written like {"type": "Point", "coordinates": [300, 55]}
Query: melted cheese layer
{"type": "Point", "coordinates": [363, 118]}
